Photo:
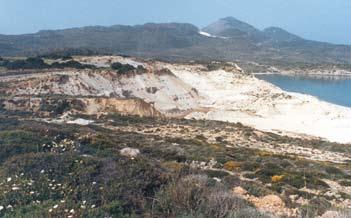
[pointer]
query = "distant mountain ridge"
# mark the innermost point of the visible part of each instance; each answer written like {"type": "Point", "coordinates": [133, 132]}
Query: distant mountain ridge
{"type": "Point", "coordinates": [231, 27]}
{"type": "Point", "coordinates": [228, 39]}
{"type": "Point", "coordinates": [279, 34]}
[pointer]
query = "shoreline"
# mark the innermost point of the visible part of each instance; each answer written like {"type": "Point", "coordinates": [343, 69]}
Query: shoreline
{"type": "Point", "coordinates": [307, 75]}
{"type": "Point", "coordinates": [264, 106]}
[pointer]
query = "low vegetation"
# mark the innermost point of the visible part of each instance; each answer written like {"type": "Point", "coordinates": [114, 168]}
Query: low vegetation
{"type": "Point", "coordinates": [68, 53]}
{"type": "Point", "coordinates": [126, 68]}
{"type": "Point", "coordinates": [39, 63]}
{"type": "Point", "coordinates": [67, 170]}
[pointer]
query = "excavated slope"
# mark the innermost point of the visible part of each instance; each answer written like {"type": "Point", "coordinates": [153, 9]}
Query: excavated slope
{"type": "Point", "coordinates": [164, 90]}
{"type": "Point", "coordinates": [88, 106]}
{"type": "Point", "coordinates": [193, 91]}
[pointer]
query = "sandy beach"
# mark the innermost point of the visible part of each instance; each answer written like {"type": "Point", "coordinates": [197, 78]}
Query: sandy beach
{"type": "Point", "coordinates": [257, 103]}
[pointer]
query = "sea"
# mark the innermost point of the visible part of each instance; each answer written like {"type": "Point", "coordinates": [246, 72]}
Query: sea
{"type": "Point", "coordinates": [333, 89]}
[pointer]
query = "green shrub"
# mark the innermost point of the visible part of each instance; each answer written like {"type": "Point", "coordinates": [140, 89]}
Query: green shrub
{"type": "Point", "coordinates": [316, 207]}
{"type": "Point", "coordinates": [17, 142]}
{"type": "Point", "coordinates": [38, 63]}
{"type": "Point", "coordinates": [248, 213]}
{"type": "Point", "coordinates": [71, 64]}
{"type": "Point", "coordinates": [122, 68]}
{"type": "Point", "coordinates": [114, 208]}
{"type": "Point", "coordinates": [196, 196]}
{"type": "Point", "coordinates": [216, 173]}
{"type": "Point", "coordinates": [300, 180]}
{"type": "Point", "coordinates": [29, 63]}
{"type": "Point", "coordinates": [268, 171]}
{"type": "Point", "coordinates": [255, 189]}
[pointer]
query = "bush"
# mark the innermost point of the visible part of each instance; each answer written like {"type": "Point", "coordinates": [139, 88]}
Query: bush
{"type": "Point", "coordinates": [248, 213]}
{"type": "Point", "coordinates": [255, 189]}
{"type": "Point", "coordinates": [316, 207]}
{"type": "Point", "coordinates": [57, 107]}
{"type": "Point", "coordinates": [38, 63]}
{"type": "Point", "coordinates": [185, 195]}
{"type": "Point", "coordinates": [299, 180]}
{"type": "Point", "coordinates": [69, 52]}
{"type": "Point", "coordinates": [122, 68]}
{"type": "Point", "coordinates": [220, 203]}
{"type": "Point", "coordinates": [193, 196]}
{"type": "Point", "coordinates": [122, 186]}
{"type": "Point", "coordinates": [231, 165]}
{"type": "Point", "coordinates": [29, 63]}
{"type": "Point", "coordinates": [333, 171]}
{"type": "Point", "coordinates": [249, 166]}
{"type": "Point", "coordinates": [277, 179]}
{"type": "Point", "coordinates": [19, 142]}
{"type": "Point", "coordinates": [115, 208]}
{"type": "Point", "coordinates": [174, 166]}
{"type": "Point", "coordinates": [71, 64]}
{"type": "Point", "coordinates": [268, 171]}
{"type": "Point", "coordinates": [216, 173]}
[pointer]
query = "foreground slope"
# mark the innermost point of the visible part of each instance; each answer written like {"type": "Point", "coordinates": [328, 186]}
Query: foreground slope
{"type": "Point", "coordinates": [124, 166]}
{"type": "Point", "coordinates": [71, 145]}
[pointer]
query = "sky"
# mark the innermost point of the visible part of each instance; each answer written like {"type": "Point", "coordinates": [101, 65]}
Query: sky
{"type": "Point", "coordinates": [322, 20]}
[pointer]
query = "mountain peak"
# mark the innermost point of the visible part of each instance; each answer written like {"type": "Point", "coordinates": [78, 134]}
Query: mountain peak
{"type": "Point", "coordinates": [231, 27]}
{"type": "Point", "coordinates": [233, 20]}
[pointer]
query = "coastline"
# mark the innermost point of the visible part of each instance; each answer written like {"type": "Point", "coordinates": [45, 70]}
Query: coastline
{"type": "Point", "coordinates": [262, 105]}
{"type": "Point", "coordinates": [194, 91]}
{"type": "Point", "coordinates": [309, 74]}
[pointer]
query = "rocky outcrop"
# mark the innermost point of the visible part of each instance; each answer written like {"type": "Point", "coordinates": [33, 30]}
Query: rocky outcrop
{"type": "Point", "coordinates": [160, 87]}
{"type": "Point", "coordinates": [88, 106]}
{"type": "Point", "coordinates": [122, 106]}
{"type": "Point", "coordinates": [130, 152]}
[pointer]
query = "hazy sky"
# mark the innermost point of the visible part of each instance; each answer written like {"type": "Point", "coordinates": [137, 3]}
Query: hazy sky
{"type": "Point", "coordinates": [324, 20]}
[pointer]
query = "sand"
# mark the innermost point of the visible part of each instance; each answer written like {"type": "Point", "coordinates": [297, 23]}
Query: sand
{"type": "Point", "coordinates": [241, 98]}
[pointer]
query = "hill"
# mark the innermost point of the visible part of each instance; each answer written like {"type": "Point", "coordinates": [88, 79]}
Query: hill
{"type": "Point", "coordinates": [227, 39]}
{"type": "Point", "coordinates": [231, 27]}
{"type": "Point", "coordinates": [112, 142]}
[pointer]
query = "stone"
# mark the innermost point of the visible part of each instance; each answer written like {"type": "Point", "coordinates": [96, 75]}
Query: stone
{"type": "Point", "coordinates": [130, 152]}
{"type": "Point", "coordinates": [239, 190]}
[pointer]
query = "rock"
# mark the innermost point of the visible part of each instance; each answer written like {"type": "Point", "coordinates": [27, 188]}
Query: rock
{"type": "Point", "coordinates": [130, 152]}
{"type": "Point", "coordinates": [293, 197]}
{"type": "Point", "coordinates": [217, 179]}
{"type": "Point", "coordinates": [271, 201]}
{"type": "Point", "coordinates": [302, 201]}
{"type": "Point", "coordinates": [80, 121]}
{"type": "Point", "coordinates": [239, 190]}
{"type": "Point", "coordinates": [333, 214]}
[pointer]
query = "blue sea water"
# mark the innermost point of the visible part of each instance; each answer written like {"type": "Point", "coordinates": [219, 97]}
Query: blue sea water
{"type": "Point", "coordinates": [334, 89]}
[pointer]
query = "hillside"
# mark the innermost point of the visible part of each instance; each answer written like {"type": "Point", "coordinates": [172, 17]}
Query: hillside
{"type": "Point", "coordinates": [216, 91]}
{"type": "Point", "coordinates": [235, 40]}
{"type": "Point", "coordinates": [120, 140]}
{"type": "Point", "coordinates": [230, 28]}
